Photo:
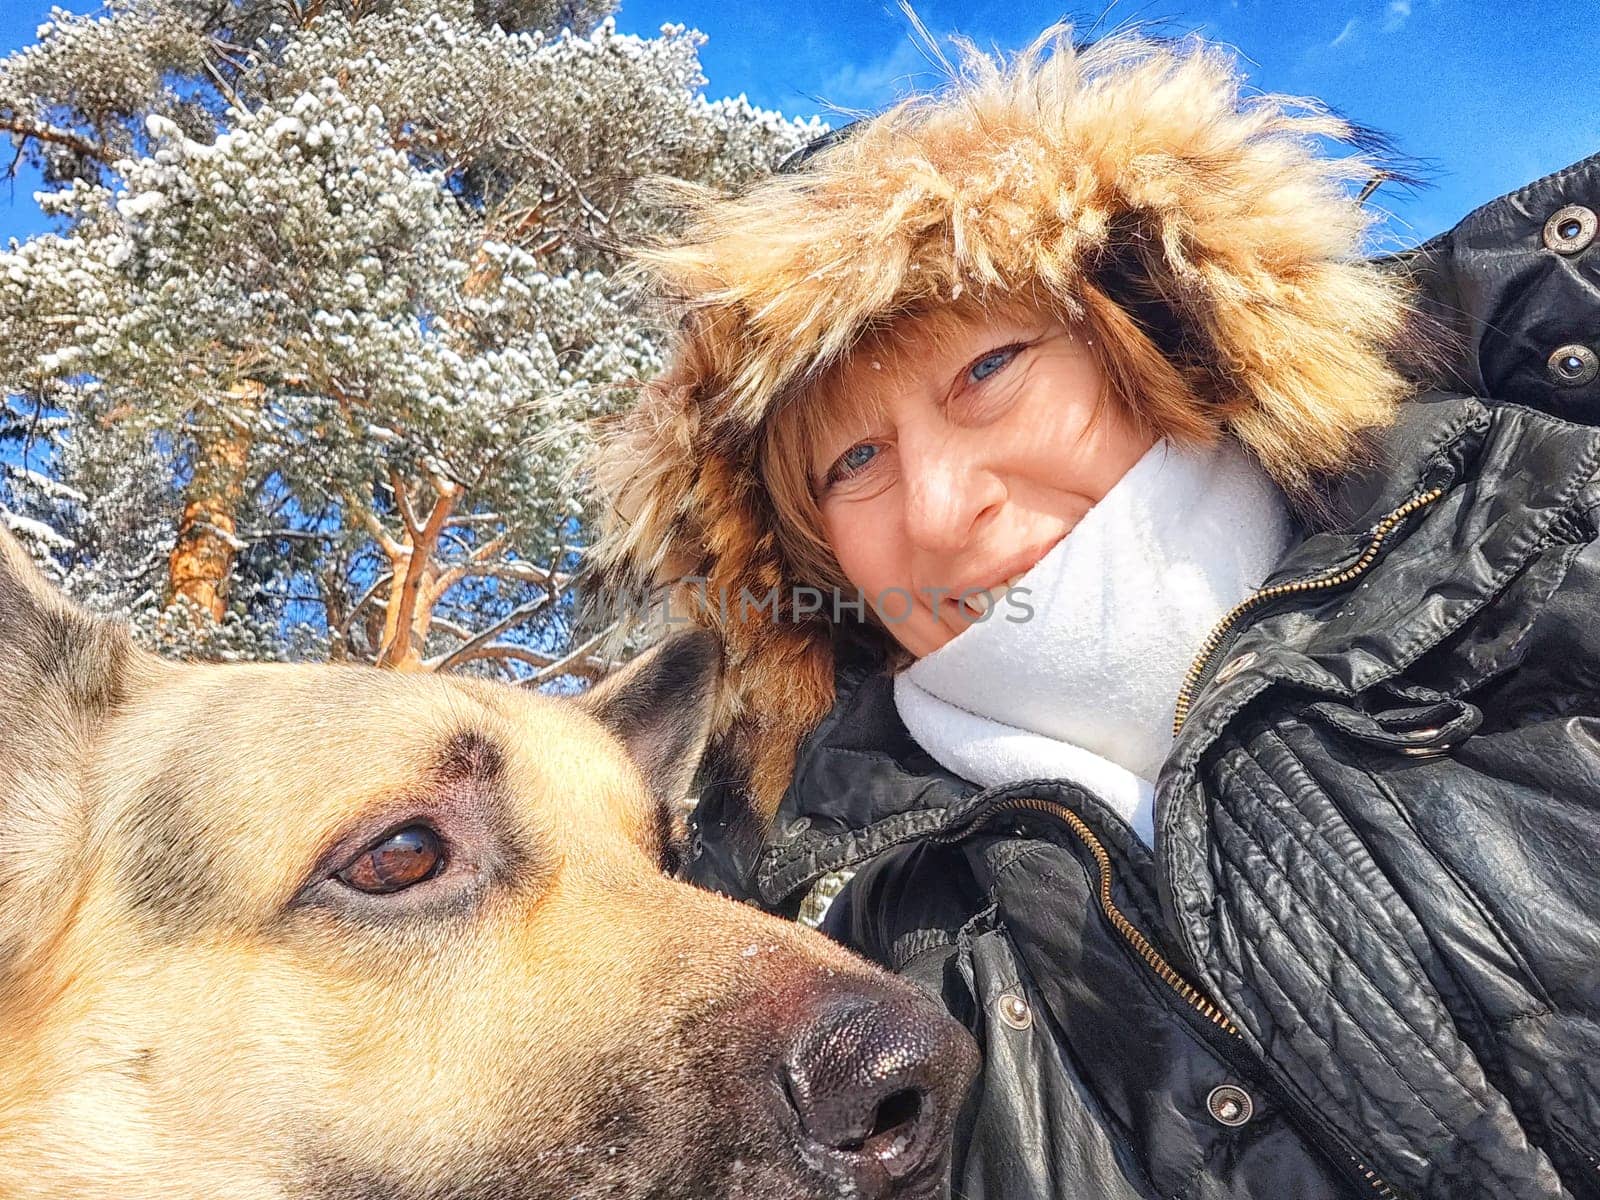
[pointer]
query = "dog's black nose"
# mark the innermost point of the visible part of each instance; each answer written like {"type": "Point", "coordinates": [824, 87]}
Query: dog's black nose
{"type": "Point", "coordinates": [876, 1083]}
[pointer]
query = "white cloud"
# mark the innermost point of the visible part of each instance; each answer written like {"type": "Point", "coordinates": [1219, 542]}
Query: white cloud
{"type": "Point", "coordinates": [873, 84]}
{"type": "Point", "coordinates": [1395, 15]}
{"type": "Point", "coordinates": [1344, 34]}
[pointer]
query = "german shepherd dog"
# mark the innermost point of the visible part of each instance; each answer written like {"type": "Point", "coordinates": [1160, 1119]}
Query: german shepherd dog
{"type": "Point", "coordinates": [333, 933]}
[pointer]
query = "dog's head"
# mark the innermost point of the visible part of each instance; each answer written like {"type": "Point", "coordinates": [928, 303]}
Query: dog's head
{"type": "Point", "coordinates": [330, 933]}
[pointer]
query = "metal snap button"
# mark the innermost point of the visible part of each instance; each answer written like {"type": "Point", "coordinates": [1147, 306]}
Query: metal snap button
{"type": "Point", "coordinates": [1430, 750]}
{"type": "Point", "coordinates": [1570, 230]}
{"type": "Point", "coordinates": [1014, 1010]}
{"type": "Point", "coordinates": [1233, 666]}
{"type": "Point", "coordinates": [1573, 365]}
{"type": "Point", "coordinates": [1230, 1105]}
{"type": "Point", "coordinates": [1426, 751]}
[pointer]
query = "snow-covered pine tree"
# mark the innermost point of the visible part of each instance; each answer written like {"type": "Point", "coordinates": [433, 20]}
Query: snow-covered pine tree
{"type": "Point", "coordinates": [304, 370]}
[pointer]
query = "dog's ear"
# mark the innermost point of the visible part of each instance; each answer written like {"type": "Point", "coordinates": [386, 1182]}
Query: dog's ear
{"type": "Point", "coordinates": [660, 706]}
{"type": "Point", "coordinates": [52, 650]}
{"type": "Point", "coordinates": [59, 666]}
{"type": "Point", "coordinates": [60, 672]}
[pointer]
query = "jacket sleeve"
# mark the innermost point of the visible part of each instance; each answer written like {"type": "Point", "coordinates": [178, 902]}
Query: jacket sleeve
{"type": "Point", "coordinates": [1510, 297]}
{"type": "Point", "coordinates": [905, 910]}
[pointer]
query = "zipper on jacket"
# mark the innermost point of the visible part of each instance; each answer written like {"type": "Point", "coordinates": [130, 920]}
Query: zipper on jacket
{"type": "Point", "coordinates": [1197, 674]}
{"type": "Point", "coordinates": [1198, 670]}
{"type": "Point", "coordinates": [1371, 1178]}
{"type": "Point", "coordinates": [1153, 958]}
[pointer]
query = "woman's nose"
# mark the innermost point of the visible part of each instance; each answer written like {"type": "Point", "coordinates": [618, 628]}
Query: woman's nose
{"type": "Point", "coordinates": [949, 493]}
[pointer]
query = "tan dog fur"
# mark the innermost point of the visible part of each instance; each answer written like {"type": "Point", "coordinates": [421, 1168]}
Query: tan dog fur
{"type": "Point", "coordinates": [186, 1011]}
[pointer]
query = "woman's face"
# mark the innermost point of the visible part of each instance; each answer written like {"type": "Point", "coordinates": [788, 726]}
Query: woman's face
{"type": "Point", "coordinates": [987, 446]}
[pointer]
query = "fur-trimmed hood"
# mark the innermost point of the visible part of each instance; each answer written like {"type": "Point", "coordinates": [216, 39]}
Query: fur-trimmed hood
{"type": "Point", "coordinates": [1131, 182]}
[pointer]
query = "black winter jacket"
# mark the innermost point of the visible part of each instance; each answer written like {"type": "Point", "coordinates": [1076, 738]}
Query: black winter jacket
{"type": "Point", "coordinates": [1365, 959]}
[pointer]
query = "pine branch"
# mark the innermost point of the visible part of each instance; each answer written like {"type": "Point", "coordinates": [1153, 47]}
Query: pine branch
{"type": "Point", "coordinates": [588, 666]}
{"type": "Point", "coordinates": [391, 547]}
{"type": "Point", "coordinates": [402, 504]}
{"type": "Point", "coordinates": [367, 598]}
{"type": "Point", "coordinates": [23, 128]}
{"type": "Point", "coordinates": [521, 572]}
{"type": "Point", "coordinates": [469, 651]}
{"type": "Point", "coordinates": [443, 626]}
{"type": "Point", "coordinates": [577, 661]}
{"type": "Point", "coordinates": [454, 575]}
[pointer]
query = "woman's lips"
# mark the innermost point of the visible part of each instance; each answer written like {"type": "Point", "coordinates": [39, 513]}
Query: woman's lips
{"type": "Point", "coordinates": [968, 607]}
{"type": "Point", "coordinates": [973, 602]}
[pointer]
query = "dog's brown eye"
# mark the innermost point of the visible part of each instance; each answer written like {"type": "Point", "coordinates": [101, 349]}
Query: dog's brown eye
{"type": "Point", "coordinates": [402, 859]}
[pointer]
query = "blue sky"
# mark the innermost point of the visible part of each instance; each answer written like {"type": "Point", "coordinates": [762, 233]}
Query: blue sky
{"type": "Point", "coordinates": [1492, 95]}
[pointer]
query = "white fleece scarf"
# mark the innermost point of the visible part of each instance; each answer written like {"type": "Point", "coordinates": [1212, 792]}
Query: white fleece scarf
{"type": "Point", "coordinates": [1086, 688]}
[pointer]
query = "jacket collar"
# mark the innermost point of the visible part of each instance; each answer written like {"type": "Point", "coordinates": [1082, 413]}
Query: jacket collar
{"type": "Point", "coordinates": [1504, 474]}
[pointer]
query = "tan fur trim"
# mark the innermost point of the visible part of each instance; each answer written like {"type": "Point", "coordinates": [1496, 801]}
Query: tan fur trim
{"type": "Point", "coordinates": [1126, 179]}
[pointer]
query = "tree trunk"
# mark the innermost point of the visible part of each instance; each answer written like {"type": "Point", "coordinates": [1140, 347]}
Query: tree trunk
{"type": "Point", "coordinates": [407, 618]}
{"type": "Point", "coordinates": [202, 560]}
{"type": "Point", "coordinates": [408, 612]}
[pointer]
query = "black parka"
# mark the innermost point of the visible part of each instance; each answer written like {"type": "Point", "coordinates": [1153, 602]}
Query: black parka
{"type": "Point", "coordinates": [1364, 958]}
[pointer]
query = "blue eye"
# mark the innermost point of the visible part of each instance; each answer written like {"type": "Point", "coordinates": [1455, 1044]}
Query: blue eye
{"type": "Point", "coordinates": [858, 456]}
{"type": "Point", "coordinates": [990, 363]}
{"type": "Point", "coordinates": [852, 461]}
